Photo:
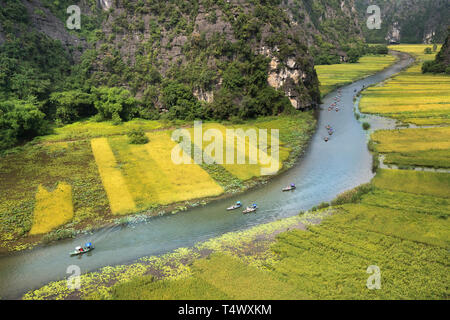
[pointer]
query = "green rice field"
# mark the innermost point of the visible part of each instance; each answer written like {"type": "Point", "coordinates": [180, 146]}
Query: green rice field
{"type": "Point", "coordinates": [338, 75]}
{"type": "Point", "coordinates": [427, 147]}
{"type": "Point", "coordinates": [410, 96]}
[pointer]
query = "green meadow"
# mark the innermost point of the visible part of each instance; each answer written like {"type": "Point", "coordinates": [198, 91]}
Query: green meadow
{"type": "Point", "coordinates": [399, 223]}
{"type": "Point", "coordinates": [407, 239]}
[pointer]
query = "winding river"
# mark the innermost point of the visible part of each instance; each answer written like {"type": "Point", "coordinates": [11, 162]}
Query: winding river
{"type": "Point", "coordinates": [326, 169]}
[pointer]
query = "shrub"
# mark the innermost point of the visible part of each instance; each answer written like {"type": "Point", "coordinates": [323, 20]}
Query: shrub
{"type": "Point", "coordinates": [366, 126]}
{"type": "Point", "coordinates": [323, 205]}
{"type": "Point", "coordinates": [137, 136]}
{"type": "Point", "coordinates": [433, 67]}
{"type": "Point", "coordinates": [428, 51]}
{"type": "Point", "coordinates": [352, 196]}
{"type": "Point", "coordinates": [375, 162]}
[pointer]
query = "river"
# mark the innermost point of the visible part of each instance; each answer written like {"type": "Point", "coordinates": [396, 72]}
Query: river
{"type": "Point", "coordinates": [326, 170]}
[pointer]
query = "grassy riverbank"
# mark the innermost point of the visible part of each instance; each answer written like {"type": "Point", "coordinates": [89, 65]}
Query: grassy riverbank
{"type": "Point", "coordinates": [338, 75]}
{"type": "Point", "coordinates": [424, 147]}
{"type": "Point", "coordinates": [87, 174]}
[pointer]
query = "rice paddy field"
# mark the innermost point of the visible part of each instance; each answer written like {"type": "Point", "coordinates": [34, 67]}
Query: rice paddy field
{"type": "Point", "coordinates": [405, 239]}
{"type": "Point", "coordinates": [425, 147]}
{"type": "Point", "coordinates": [399, 223]}
{"type": "Point", "coordinates": [410, 96]}
{"type": "Point", "coordinates": [405, 234]}
{"type": "Point", "coordinates": [87, 174]}
{"type": "Point", "coordinates": [338, 75]}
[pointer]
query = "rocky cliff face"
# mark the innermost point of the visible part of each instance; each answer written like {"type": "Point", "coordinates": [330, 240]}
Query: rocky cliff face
{"type": "Point", "coordinates": [407, 21]}
{"type": "Point", "coordinates": [282, 31]}
{"type": "Point", "coordinates": [173, 43]}
{"type": "Point", "coordinates": [139, 44]}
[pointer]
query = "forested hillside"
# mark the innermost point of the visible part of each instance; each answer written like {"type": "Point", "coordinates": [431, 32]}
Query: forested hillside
{"type": "Point", "coordinates": [407, 21]}
{"type": "Point", "coordinates": [207, 59]}
{"type": "Point", "coordinates": [175, 59]}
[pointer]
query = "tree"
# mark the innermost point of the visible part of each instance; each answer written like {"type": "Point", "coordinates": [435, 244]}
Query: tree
{"type": "Point", "coordinates": [72, 105]}
{"type": "Point", "coordinates": [115, 104]}
{"type": "Point", "coordinates": [180, 101]}
{"type": "Point", "coordinates": [137, 136]}
{"type": "Point", "coordinates": [20, 120]}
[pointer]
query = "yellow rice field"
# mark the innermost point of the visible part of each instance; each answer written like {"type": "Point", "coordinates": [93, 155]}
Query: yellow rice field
{"type": "Point", "coordinates": [413, 97]}
{"type": "Point", "coordinates": [52, 208]}
{"type": "Point", "coordinates": [416, 182]}
{"type": "Point", "coordinates": [153, 178]}
{"type": "Point", "coordinates": [429, 147]}
{"type": "Point", "coordinates": [113, 181]}
{"type": "Point", "coordinates": [407, 140]}
{"type": "Point", "coordinates": [336, 75]}
{"type": "Point", "coordinates": [252, 166]}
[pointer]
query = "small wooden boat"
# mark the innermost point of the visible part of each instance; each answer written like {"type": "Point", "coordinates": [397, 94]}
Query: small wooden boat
{"type": "Point", "coordinates": [249, 210]}
{"type": "Point", "coordinates": [234, 207]}
{"type": "Point", "coordinates": [289, 188]}
{"type": "Point", "coordinates": [79, 250]}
